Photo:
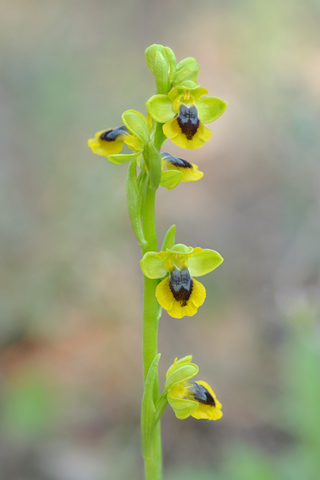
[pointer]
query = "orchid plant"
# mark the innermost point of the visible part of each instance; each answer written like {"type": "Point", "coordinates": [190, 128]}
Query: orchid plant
{"type": "Point", "coordinates": [179, 111]}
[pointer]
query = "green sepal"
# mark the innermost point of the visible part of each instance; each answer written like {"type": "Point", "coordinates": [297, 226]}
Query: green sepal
{"type": "Point", "coordinates": [210, 108]}
{"type": "Point", "coordinates": [134, 203]}
{"type": "Point", "coordinates": [160, 108]}
{"type": "Point", "coordinates": [204, 262]}
{"type": "Point", "coordinates": [181, 374]}
{"type": "Point", "coordinates": [182, 408]}
{"type": "Point", "coordinates": [187, 70]}
{"type": "Point", "coordinates": [153, 162]}
{"type": "Point", "coordinates": [169, 239]}
{"type": "Point", "coordinates": [137, 123]}
{"type": "Point", "coordinates": [148, 411]}
{"type": "Point", "coordinates": [119, 158]}
{"type": "Point", "coordinates": [170, 178]}
{"type": "Point", "coordinates": [152, 266]}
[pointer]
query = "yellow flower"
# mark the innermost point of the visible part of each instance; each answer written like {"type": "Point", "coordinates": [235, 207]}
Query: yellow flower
{"type": "Point", "coordinates": [108, 142]}
{"type": "Point", "coordinates": [184, 113]}
{"type": "Point", "coordinates": [190, 172]}
{"type": "Point", "coordinates": [179, 293]}
{"type": "Point", "coordinates": [134, 133]}
{"type": "Point", "coordinates": [188, 397]}
{"type": "Point", "coordinates": [197, 395]}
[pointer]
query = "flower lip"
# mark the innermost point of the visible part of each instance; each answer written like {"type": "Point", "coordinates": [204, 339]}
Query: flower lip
{"type": "Point", "coordinates": [201, 394]}
{"type": "Point", "coordinates": [113, 133]}
{"type": "Point", "coordinates": [176, 161]}
{"type": "Point", "coordinates": [188, 120]}
{"type": "Point", "coordinates": [181, 285]}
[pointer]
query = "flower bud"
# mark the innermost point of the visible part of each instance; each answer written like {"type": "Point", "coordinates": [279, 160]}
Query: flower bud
{"type": "Point", "coordinates": [161, 61]}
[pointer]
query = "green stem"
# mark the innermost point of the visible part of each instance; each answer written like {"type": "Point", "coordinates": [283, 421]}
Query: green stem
{"type": "Point", "coordinates": [151, 315]}
{"type": "Point", "coordinates": [150, 324]}
{"type": "Point", "coordinates": [149, 224]}
{"type": "Point", "coordinates": [153, 463]}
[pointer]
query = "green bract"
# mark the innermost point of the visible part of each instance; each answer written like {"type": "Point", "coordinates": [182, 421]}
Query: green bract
{"type": "Point", "coordinates": [148, 410]}
{"type": "Point", "coordinates": [134, 203]}
{"type": "Point", "coordinates": [153, 162]}
{"type": "Point", "coordinates": [198, 261]}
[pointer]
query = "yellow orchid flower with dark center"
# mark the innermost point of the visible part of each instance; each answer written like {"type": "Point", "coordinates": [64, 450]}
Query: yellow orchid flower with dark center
{"type": "Point", "coordinates": [135, 133]}
{"type": "Point", "coordinates": [184, 111]}
{"type": "Point", "coordinates": [179, 293]}
{"type": "Point", "coordinates": [108, 142]}
{"type": "Point", "coordinates": [198, 396]}
{"type": "Point", "coordinates": [189, 170]}
{"type": "Point", "coordinates": [187, 397]}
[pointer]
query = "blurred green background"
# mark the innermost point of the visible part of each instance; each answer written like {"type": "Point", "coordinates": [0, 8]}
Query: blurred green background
{"type": "Point", "coordinates": [71, 296]}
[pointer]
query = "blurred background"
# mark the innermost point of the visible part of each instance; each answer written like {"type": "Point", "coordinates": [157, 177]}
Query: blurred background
{"type": "Point", "coordinates": [70, 315]}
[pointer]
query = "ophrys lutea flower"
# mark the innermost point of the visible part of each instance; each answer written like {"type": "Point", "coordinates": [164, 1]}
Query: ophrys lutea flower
{"type": "Point", "coordinates": [184, 111]}
{"type": "Point", "coordinates": [189, 171]}
{"type": "Point", "coordinates": [179, 293]}
{"type": "Point", "coordinates": [135, 133]}
{"type": "Point", "coordinates": [188, 397]}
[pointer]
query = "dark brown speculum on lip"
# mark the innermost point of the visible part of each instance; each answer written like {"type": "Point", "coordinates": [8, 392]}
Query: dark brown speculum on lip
{"type": "Point", "coordinates": [176, 161]}
{"type": "Point", "coordinates": [180, 283]}
{"type": "Point", "coordinates": [202, 395]}
{"type": "Point", "coordinates": [113, 133]}
{"type": "Point", "coordinates": [188, 120]}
